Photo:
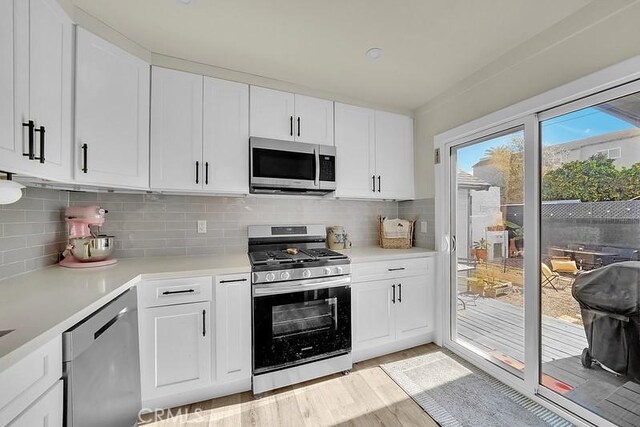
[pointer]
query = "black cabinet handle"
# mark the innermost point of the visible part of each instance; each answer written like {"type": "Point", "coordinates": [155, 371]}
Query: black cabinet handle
{"type": "Point", "coordinates": [206, 173]}
{"type": "Point", "coordinates": [298, 126]}
{"type": "Point", "coordinates": [233, 280]}
{"type": "Point", "coordinates": [396, 269]}
{"type": "Point", "coordinates": [85, 148]}
{"type": "Point", "coordinates": [291, 125]}
{"type": "Point", "coordinates": [379, 186]}
{"type": "Point", "coordinates": [41, 130]}
{"type": "Point", "coordinates": [373, 183]}
{"type": "Point", "coordinates": [197, 172]}
{"type": "Point", "coordinates": [183, 291]}
{"type": "Point", "coordinates": [399, 292]}
{"type": "Point", "coordinates": [204, 323]}
{"type": "Point", "coordinates": [30, 124]}
{"type": "Point", "coordinates": [393, 299]}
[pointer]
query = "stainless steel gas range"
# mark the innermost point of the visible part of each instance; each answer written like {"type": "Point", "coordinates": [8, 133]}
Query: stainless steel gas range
{"type": "Point", "coordinates": [301, 301]}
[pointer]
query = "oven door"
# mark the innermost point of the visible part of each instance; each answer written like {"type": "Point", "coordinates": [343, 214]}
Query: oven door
{"type": "Point", "coordinates": [300, 322]}
{"type": "Point", "coordinates": [283, 164]}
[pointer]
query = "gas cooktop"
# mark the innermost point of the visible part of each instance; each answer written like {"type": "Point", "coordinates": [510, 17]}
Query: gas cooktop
{"type": "Point", "coordinates": [287, 256]}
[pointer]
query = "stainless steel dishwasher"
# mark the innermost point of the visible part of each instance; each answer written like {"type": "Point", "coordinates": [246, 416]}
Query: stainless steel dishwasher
{"type": "Point", "coordinates": [102, 366]}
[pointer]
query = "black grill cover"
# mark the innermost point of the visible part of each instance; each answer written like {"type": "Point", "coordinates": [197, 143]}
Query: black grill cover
{"type": "Point", "coordinates": [612, 289]}
{"type": "Point", "coordinates": [610, 301]}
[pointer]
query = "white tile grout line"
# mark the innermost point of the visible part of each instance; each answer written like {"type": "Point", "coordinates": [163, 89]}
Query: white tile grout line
{"type": "Point", "coordinates": [445, 419]}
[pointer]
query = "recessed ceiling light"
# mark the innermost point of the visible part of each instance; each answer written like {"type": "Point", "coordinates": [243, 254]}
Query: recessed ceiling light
{"type": "Point", "coordinates": [184, 1]}
{"type": "Point", "coordinates": [375, 53]}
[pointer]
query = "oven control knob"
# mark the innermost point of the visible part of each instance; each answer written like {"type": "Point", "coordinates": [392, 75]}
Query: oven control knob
{"type": "Point", "coordinates": [284, 275]}
{"type": "Point", "coordinates": [338, 270]}
{"type": "Point", "coordinates": [270, 277]}
{"type": "Point", "coordinates": [306, 273]}
{"type": "Point", "coordinates": [327, 271]}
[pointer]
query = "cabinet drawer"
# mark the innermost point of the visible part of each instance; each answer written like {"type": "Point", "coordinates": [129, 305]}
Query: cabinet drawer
{"type": "Point", "coordinates": [155, 293]}
{"type": "Point", "coordinates": [390, 269]}
{"type": "Point", "coordinates": [29, 378]}
{"type": "Point", "coordinates": [45, 412]}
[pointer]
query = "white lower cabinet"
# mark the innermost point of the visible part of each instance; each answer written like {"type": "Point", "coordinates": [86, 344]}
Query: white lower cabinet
{"type": "Point", "coordinates": [195, 339]}
{"type": "Point", "coordinates": [392, 313]}
{"type": "Point", "coordinates": [175, 348]}
{"type": "Point", "coordinates": [233, 328]}
{"type": "Point", "coordinates": [44, 412]}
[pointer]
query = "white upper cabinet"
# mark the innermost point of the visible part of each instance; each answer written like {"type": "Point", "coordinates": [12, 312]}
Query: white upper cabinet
{"type": "Point", "coordinates": [314, 120]}
{"type": "Point", "coordinates": [374, 154]}
{"type": "Point", "coordinates": [290, 117]}
{"type": "Point", "coordinates": [199, 133]}
{"type": "Point", "coordinates": [176, 130]}
{"type": "Point", "coordinates": [112, 115]}
{"type": "Point", "coordinates": [272, 113]}
{"type": "Point", "coordinates": [355, 151]}
{"type": "Point", "coordinates": [226, 137]}
{"type": "Point", "coordinates": [35, 88]}
{"type": "Point", "coordinates": [8, 143]}
{"type": "Point", "coordinates": [394, 156]}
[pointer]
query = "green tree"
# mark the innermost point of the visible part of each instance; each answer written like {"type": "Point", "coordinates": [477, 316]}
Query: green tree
{"type": "Point", "coordinates": [593, 180]}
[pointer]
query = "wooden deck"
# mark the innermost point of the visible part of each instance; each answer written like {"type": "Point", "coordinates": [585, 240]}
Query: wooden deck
{"type": "Point", "coordinates": [494, 326]}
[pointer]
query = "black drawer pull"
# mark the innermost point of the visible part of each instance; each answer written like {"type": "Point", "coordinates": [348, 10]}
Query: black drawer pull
{"type": "Point", "coordinates": [206, 173]}
{"type": "Point", "coordinates": [85, 148]}
{"type": "Point", "coordinates": [396, 269]}
{"type": "Point", "coordinates": [30, 124]}
{"type": "Point", "coordinates": [373, 183]}
{"type": "Point", "coordinates": [379, 186]}
{"type": "Point", "coordinates": [204, 323]}
{"type": "Point", "coordinates": [183, 291]}
{"type": "Point", "coordinates": [197, 172]}
{"type": "Point", "coordinates": [298, 126]}
{"type": "Point", "coordinates": [291, 125]}
{"type": "Point", "coordinates": [233, 280]}
{"type": "Point", "coordinates": [400, 292]}
{"type": "Point", "coordinates": [41, 130]}
{"type": "Point", "coordinates": [393, 299]}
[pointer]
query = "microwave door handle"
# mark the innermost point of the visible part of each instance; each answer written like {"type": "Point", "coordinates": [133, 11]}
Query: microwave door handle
{"type": "Point", "coordinates": [316, 153]}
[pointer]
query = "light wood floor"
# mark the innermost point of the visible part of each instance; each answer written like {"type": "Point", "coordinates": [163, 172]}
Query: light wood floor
{"type": "Point", "coordinates": [366, 397]}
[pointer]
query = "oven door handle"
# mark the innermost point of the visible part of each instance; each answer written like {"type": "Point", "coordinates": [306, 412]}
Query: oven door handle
{"type": "Point", "coordinates": [299, 286]}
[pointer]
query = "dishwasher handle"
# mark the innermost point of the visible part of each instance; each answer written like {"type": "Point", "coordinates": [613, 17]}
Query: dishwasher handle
{"type": "Point", "coordinates": [80, 337]}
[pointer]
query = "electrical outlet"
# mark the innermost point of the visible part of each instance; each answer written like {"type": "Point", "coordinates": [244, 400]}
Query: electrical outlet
{"type": "Point", "coordinates": [202, 226]}
{"type": "Point", "coordinates": [423, 226]}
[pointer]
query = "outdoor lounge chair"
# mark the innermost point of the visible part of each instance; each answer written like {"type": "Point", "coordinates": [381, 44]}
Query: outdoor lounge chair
{"type": "Point", "coordinates": [549, 278]}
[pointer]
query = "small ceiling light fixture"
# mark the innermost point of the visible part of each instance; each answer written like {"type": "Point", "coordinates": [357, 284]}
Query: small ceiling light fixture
{"type": "Point", "coordinates": [184, 1]}
{"type": "Point", "coordinates": [375, 53]}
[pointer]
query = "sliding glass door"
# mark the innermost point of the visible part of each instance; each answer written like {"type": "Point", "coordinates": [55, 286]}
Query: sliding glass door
{"type": "Point", "coordinates": [544, 267]}
{"type": "Point", "coordinates": [487, 201]}
{"type": "Point", "coordinates": [589, 250]}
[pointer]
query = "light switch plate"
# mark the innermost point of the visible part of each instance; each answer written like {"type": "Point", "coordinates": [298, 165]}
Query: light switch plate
{"type": "Point", "coordinates": [423, 226]}
{"type": "Point", "coordinates": [202, 226]}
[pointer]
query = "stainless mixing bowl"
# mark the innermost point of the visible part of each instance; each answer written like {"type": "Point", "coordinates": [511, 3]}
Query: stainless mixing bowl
{"type": "Point", "coordinates": [88, 249]}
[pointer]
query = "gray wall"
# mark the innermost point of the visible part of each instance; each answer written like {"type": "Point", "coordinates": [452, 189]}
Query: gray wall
{"type": "Point", "coordinates": [32, 231]}
{"type": "Point", "coordinates": [420, 210]}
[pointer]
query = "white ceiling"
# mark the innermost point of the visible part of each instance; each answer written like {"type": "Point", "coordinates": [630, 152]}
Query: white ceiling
{"type": "Point", "coordinates": [429, 45]}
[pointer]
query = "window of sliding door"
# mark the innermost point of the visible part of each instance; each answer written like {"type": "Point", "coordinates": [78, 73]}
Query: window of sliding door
{"type": "Point", "coordinates": [589, 255]}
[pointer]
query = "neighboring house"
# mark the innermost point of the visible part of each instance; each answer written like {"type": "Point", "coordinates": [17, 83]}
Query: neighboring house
{"type": "Point", "coordinates": [622, 146]}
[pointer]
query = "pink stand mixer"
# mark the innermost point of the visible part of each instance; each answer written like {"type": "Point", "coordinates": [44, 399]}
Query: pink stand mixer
{"type": "Point", "coordinates": [86, 248]}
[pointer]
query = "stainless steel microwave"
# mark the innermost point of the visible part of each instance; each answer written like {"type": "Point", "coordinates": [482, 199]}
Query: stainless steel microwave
{"type": "Point", "coordinates": [284, 167]}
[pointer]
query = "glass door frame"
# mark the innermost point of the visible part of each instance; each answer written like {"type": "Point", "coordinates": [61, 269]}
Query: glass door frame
{"type": "Point", "coordinates": [527, 124]}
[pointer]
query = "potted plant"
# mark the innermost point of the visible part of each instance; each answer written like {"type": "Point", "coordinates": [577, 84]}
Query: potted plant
{"type": "Point", "coordinates": [480, 249]}
{"type": "Point", "coordinates": [477, 286]}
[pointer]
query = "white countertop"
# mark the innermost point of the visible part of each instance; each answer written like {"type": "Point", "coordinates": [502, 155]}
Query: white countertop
{"type": "Point", "coordinates": [45, 303]}
{"type": "Point", "coordinates": [376, 253]}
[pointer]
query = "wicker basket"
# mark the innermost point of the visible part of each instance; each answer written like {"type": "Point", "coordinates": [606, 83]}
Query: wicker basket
{"type": "Point", "coordinates": [402, 243]}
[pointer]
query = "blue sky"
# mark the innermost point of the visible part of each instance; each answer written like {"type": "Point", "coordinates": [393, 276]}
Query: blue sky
{"type": "Point", "coordinates": [579, 124]}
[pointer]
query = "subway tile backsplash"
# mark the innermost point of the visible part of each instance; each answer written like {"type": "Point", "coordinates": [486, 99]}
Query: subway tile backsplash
{"type": "Point", "coordinates": [33, 231]}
